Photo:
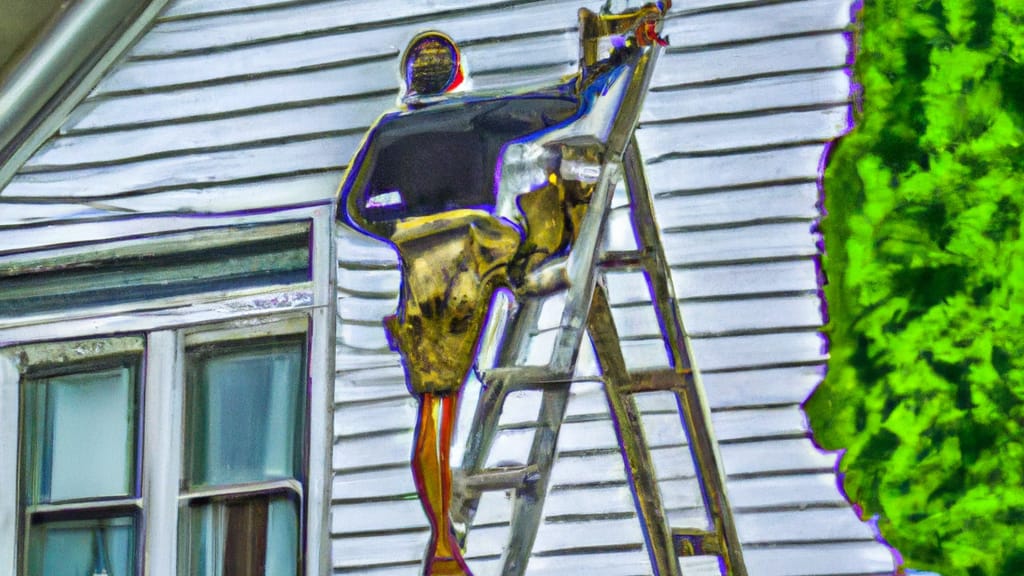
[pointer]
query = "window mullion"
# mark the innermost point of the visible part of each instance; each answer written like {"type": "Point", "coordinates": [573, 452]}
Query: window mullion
{"type": "Point", "coordinates": [320, 434]}
{"type": "Point", "coordinates": [163, 393]}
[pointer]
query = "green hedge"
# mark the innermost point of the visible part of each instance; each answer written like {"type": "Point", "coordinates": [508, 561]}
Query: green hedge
{"type": "Point", "coordinates": [926, 284]}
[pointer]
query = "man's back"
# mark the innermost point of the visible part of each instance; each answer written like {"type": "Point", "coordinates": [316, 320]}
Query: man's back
{"type": "Point", "coordinates": [446, 157]}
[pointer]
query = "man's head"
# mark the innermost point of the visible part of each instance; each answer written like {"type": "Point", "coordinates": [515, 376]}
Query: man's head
{"type": "Point", "coordinates": [431, 65]}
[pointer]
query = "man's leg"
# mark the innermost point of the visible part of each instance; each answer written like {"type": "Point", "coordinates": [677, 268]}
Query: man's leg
{"type": "Point", "coordinates": [432, 472]}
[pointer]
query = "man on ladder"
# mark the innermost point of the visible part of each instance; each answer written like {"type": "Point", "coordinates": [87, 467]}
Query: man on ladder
{"type": "Point", "coordinates": [485, 192]}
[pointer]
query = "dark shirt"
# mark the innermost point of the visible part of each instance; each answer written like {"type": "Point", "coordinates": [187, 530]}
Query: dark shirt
{"type": "Point", "coordinates": [443, 157]}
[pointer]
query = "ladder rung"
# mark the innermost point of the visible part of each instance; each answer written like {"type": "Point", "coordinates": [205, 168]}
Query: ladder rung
{"type": "Point", "coordinates": [656, 381]}
{"type": "Point", "coordinates": [625, 259]}
{"type": "Point", "coordinates": [691, 542]}
{"type": "Point", "coordinates": [518, 377]}
{"type": "Point", "coordinates": [503, 478]}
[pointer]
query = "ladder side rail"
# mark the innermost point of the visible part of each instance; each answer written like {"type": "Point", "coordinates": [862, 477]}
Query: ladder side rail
{"type": "Point", "coordinates": [528, 506]}
{"type": "Point", "coordinates": [484, 427]}
{"type": "Point", "coordinates": [630, 434]}
{"type": "Point", "coordinates": [691, 398]}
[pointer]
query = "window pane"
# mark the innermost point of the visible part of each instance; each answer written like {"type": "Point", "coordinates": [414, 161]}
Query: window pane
{"type": "Point", "coordinates": [245, 417]}
{"type": "Point", "coordinates": [84, 435]}
{"type": "Point", "coordinates": [83, 548]}
{"type": "Point", "coordinates": [242, 537]}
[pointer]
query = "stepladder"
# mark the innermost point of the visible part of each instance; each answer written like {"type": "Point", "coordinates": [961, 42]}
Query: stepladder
{"type": "Point", "coordinates": [676, 537]}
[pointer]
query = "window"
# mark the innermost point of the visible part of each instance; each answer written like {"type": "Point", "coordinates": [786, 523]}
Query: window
{"type": "Point", "coordinates": [243, 470]}
{"type": "Point", "coordinates": [80, 463]}
{"type": "Point", "coordinates": [181, 429]}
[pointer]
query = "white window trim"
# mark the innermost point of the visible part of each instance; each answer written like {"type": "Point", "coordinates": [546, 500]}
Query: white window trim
{"type": "Point", "coordinates": [166, 331]}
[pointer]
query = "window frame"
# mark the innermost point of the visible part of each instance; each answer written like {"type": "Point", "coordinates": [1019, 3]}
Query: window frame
{"type": "Point", "coordinates": [48, 362]}
{"type": "Point", "coordinates": [167, 327]}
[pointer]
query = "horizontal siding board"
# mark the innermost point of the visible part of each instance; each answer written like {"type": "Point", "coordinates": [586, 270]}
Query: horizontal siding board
{"type": "Point", "coordinates": [360, 551]}
{"type": "Point", "coordinates": [23, 241]}
{"type": "Point", "coordinates": [23, 213]}
{"type": "Point", "coordinates": [217, 31]}
{"type": "Point", "coordinates": [598, 468]}
{"type": "Point", "coordinates": [774, 456]}
{"type": "Point", "coordinates": [395, 482]}
{"type": "Point", "coordinates": [361, 337]}
{"type": "Point", "coordinates": [378, 517]}
{"type": "Point", "coordinates": [614, 500]}
{"type": "Point", "coordinates": [627, 288]}
{"type": "Point", "coordinates": [730, 63]}
{"type": "Point", "coordinates": [775, 129]}
{"type": "Point", "coordinates": [329, 153]}
{"type": "Point", "coordinates": [613, 564]}
{"type": "Point", "coordinates": [184, 8]}
{"type": "Point", "coordinates": [687, 174]}
{"type": "Point", "coordinates": [246, 95]}
{"type": "Point", "coordinates": [774, 492]}
{"type": "Point", "coordinates": [356, 250]}
{"type": "Point", "coordinates": [805, 16]}
{"type": "Point", "coordinates": [745, 279]}
{"type": "Point", "coordinates": [636, 321]}
{"type": "Point", "coordinates": [390, 386]}
{"type": "Point", "coordinates": [368, 419]}
{"type": "Point", "coordinates": [554, 536]}
{"type": "Point", "coordinates": [854, 558]}
{"type": "Point", "coordinates": [371, 383]}
{"type": "Point", "coordinates": [751, 424]}
{"type": "Point", "coordinates": [511, 448]}
{"type": "Point", "coordinates": [790, 201]}
{"type": "Point", "coordinates": [380, 283]}
{"type": "Point", "coordinates": [761, 387]}
{"type": "Point", "coordinates": [201, 136]}
{"type": "Point", "coordinates": [497, 56]}
{"type": "Point", "coordinates": [220, 199]}
{"type": "Point", "coordinates": [710, 318]}
{"type": "Point", "coordinates": [747, 459]}
{"type": "Point", "coordinates": [346, 359]}
{"type": "Point", "coordinates": [762, 241]}
{"type": "Point", "coordinates": [827, 524]}
{"type": "Point", "coordinates": [389, 449]}
{"type": "Point", "coordinates": [645, 354]}
{"type": "Point", "coordinates": [366, 310]}
{"type": "Point", "coordinates": [734, 352]}
{"type": "Point", "coordinates": [775, 92]}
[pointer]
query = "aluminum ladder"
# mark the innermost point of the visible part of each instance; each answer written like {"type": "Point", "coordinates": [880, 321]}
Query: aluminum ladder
{"type": "Point", "coordinates": [581, 276]}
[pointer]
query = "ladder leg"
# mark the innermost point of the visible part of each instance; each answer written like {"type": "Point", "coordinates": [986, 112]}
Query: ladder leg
{"type": "Point", "coordinates": [692, 403]}
{"type": "Point", "coordinates": [529, 500]}
{"type": "Point", "coordinates": [630, 434]}
{"type": "Point", "coordinates": [484, 427]}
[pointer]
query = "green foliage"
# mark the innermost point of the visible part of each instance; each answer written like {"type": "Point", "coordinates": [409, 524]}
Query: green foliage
{"type": "Point", "coordinates": [925, 259]}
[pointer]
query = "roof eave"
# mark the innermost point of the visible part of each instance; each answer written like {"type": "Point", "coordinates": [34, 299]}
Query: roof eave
{"type": "Point", "coordinates": [64, 65]}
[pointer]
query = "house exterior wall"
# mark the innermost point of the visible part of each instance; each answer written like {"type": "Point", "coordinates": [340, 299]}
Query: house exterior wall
{"type": "Point", "coordinates": [235, 105]}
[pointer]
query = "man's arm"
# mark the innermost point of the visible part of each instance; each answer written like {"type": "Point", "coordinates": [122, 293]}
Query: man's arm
{"type": "Point", "coordinates": [352, 192]}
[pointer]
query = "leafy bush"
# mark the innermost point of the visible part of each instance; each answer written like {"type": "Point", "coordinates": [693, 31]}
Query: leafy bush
{"type": "Point", "coordinates": [926, 295]}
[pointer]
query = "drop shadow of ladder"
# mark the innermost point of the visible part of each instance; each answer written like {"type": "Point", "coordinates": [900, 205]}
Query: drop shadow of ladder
{"type": "Point", "coordinates": [582, 278]}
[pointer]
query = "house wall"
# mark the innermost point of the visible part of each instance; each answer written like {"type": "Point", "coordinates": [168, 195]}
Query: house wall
{"type": "Point", "coordinates": [232, 105]}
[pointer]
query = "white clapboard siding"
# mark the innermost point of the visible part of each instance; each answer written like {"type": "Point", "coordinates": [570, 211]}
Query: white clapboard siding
{"type": "Point", "coordinates": [234, 105]}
